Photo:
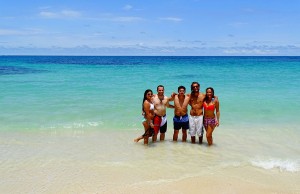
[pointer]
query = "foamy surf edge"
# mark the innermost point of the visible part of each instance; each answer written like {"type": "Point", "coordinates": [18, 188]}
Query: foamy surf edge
{"type": "Point", "coordinates": [287, 165]}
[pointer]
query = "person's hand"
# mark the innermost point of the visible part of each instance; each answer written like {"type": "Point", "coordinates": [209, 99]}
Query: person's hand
{"type": "Point", "coordinates": [173, 95]}
{"type": "Point", "coordinates": [151, 125]}
{"type": "Point", "coordinates": [217, 123]}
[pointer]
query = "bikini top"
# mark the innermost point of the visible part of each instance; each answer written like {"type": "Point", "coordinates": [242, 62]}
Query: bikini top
{"type": "Point", "coordinates": [209, 107]}
{"type": "Point", "coordinates": [151, 106]}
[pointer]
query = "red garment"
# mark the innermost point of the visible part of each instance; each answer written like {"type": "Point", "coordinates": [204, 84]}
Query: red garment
{"type": "Point", "coordinates": [156, 122]}
{"type": "Point", "coordinates": [208, 107]}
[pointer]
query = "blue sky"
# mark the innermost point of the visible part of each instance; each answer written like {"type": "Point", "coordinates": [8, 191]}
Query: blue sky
{"type": "Point", "coordinates": [156, 27]}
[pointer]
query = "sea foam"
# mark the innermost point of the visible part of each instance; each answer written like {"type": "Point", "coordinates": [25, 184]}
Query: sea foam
{"type": "Point", "coordinates": [282, 165]}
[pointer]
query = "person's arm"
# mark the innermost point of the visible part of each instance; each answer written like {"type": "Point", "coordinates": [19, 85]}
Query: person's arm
{"type": "Point", "coordinates": [217, 104]}
{"type": "Point", "coordinates": [168, 104]}
{"type": "Point", "coordinates": [186, 101]}
{"type": "Point", "coordinates": [172, 97]}
{"type": "Point", "coordinates": [189, 97]}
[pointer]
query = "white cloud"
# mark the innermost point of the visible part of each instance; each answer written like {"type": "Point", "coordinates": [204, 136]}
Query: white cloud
{"type": "Point", "coordinates": [238, 24]}
{"type": "Point", "coordinates": [137, 49]}
{"type": "Point", "coordinates": [70, 13]}
{"type": "Point", "coordinates": [10, 32]}
{"type": "Point", "coordinates": [251, 51]}
{"type": "Point", "coordinates": [126, 19]}
{"type": "Point", "coordinates": [141, 44]}
{"type": "Point", "coordinates": [167, 51]}
{"type": "Point", "coordinates": [48, 14]}
{"type": "Point", "coordinates": [173, 19]}
{"type": "Point", "coordinates": [60, 14]}
{"type": "Point", "coordinates": [127, 7]}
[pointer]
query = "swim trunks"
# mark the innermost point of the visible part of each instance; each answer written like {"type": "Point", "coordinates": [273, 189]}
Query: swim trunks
{"type": "Point", "coordinates": [196, 125]}
{"type": "Point", "coordinates": [160, 124]}
{"type": "Point", "coordinates": [209, 121]}
{"type": "Point", "coordinates": [181, 122]}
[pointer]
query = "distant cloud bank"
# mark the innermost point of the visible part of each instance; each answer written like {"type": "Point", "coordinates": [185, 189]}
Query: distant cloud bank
{"type": "Point", "coordinates": [141, 50]}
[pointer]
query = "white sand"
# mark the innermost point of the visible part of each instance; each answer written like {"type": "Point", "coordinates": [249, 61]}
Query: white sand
{"type": "Point", "coordinates": [102, 162]}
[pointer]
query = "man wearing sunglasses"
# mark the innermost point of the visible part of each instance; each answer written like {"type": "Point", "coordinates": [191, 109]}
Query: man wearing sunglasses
{"type": "Point", "coordinates": [196, 112]}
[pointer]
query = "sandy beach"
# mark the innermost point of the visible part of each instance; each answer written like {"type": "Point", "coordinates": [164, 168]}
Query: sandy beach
{"type": "Point", "coordinates": [110, 162]}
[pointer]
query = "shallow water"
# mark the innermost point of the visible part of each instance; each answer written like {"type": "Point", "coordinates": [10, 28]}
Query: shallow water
{"type": "Point", "coordinates": [59, 114]}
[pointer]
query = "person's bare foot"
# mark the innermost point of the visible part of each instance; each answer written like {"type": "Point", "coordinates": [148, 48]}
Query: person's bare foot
{"type": "Point", "coordinates": [137, 140]}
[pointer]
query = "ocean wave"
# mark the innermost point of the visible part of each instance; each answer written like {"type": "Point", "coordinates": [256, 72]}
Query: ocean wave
{"type": "Point", "coordinates": [282, 165]}
{"type": "Point", "coordinates": [75, 125]}
{"type": "Point", "coordinates": [95, 124]}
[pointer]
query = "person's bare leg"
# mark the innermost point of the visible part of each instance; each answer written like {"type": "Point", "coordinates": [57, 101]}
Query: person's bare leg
{"type": "Point", "coordinates": [201, 135]}
{"type": "Point", "coordinates": [146, 126]}
{"type": "Point", "coordinates": [175, 135]}
{"type": "Point", "coordinates": [146, 138]}
{"type": "Point", "coordinates": [184, 135]}
{"type": "Point", "coordinates": [162, 136]}
{"type": "Point", "coordinates": [209, 132]}
{"type": "Point", "coordinates": [193, 139]}
{"type": "Point", "coordinates": [154, 137]}
{"type": "Point", "coordinates": [200, 139]}
{"type": "Point", "coordinates": [138, 139]}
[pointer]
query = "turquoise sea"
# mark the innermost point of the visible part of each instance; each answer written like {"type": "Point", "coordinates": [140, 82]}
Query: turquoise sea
{"type": "Point", "coordinates": [259, 103]}
{"type": "Point", "coordinates": [42, 93]}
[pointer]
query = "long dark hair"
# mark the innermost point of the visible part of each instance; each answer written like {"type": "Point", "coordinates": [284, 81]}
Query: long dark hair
{"type": "Point", "coordinates": [212, 92]}
{"type": "Point", "coordinates": [145, 98]}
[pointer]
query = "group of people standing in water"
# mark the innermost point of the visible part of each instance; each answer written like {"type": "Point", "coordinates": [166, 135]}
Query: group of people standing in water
{"type": "Point", "coordinates": [204, 112]}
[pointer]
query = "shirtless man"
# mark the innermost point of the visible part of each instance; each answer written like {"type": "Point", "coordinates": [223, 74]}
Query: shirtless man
{"type": "Point", "coordinates": [196, 113]}
{"type": "Point", "coordinates": [181, 118]}
{"type": "Point", "coordinates": [161, 102]}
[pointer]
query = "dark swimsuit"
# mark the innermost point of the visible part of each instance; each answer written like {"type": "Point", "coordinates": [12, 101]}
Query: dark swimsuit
{"type": "Point", "coordinates": [181, 122]}
{"type": "Point", "coordinates": [149, 132]}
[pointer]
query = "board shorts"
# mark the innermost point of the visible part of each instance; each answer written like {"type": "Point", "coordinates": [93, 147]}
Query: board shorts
{"type": "Point", "coordinates": [160, 124]}
{"type": "Point", "coordinates": [181, 122]}
{"type": "Point", "coordinates": [196, 125]}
